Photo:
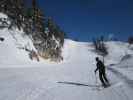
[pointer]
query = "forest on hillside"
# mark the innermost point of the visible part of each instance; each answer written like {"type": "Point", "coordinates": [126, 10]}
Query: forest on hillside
{"type": "Point", "coordinates": [46, 35]}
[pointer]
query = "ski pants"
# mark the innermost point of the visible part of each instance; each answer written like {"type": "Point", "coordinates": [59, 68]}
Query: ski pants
{"type": "Point", "coordinates": [103, 78]}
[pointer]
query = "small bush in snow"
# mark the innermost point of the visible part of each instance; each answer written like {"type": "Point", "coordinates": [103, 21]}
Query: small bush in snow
{"type": "Point", "coordinates": [130, 40]}
{"type": "Point", "coordinates": [100, 46]}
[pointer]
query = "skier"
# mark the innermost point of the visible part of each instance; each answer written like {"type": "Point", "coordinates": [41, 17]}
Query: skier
{"type": "Point", "coordinates": [102, 74]}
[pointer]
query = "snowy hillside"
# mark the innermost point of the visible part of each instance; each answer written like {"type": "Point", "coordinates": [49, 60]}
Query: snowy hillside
{"type": "Point", "coordinates": [12, 48]}
{"type": "Point", "coordinates": [72, 79]}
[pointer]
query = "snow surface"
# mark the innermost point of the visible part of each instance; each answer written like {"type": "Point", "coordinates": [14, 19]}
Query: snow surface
{"type": "Point", "coordinates": [12, 48]}
{"type": "Point", "coordinates": [39, 81]}
{"type": "Point", "coordinates": [23, 79]}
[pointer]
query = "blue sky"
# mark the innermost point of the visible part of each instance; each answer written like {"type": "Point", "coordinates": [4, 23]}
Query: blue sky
{"type": "Point", "coordinates": [85, 19]}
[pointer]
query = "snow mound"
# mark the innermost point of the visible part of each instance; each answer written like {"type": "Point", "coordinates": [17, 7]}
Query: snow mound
{"type": "Point", "coordinates": [117, 50]}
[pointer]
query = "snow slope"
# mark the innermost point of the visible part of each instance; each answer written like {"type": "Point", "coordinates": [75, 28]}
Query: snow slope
{"type": "Point", "coordinates": [72, 79]}
{"type": "Point", "coordinates": [57, 81]}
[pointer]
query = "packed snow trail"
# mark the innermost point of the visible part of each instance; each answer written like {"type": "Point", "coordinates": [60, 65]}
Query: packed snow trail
{"type": "Point", "coordinates": [39, 81]}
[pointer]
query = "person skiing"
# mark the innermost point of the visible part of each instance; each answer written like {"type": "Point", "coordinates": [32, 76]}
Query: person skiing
{"type": "Point", "coordinates": [102, 74]}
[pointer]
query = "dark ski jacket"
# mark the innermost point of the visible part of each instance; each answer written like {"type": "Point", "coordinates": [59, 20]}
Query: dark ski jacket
{"type": "Point", "coordinates": [100, 67]}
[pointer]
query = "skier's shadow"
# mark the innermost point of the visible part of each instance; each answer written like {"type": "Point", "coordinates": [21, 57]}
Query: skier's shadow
{"type": "Point", "coordinates": [78, 84]}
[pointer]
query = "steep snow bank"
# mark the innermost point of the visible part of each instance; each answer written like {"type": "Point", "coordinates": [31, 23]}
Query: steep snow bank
{"type": "Point", "coordinates": [12, 48]}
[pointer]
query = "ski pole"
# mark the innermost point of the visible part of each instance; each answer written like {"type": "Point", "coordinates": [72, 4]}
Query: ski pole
{"type": "Point", "coordinates": [96, 78]}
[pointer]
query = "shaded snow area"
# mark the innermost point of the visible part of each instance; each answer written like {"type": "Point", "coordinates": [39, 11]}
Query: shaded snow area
{"type": "Point", "coordinates": [72, 79]}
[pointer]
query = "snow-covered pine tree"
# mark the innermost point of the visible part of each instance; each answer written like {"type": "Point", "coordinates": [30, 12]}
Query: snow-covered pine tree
{"type": "Point", "coordinates": [55, 30]}
{"type": "Point", "coordinates": [55, 40]}
{"type": "Point", "coordinates": [47, 37]}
